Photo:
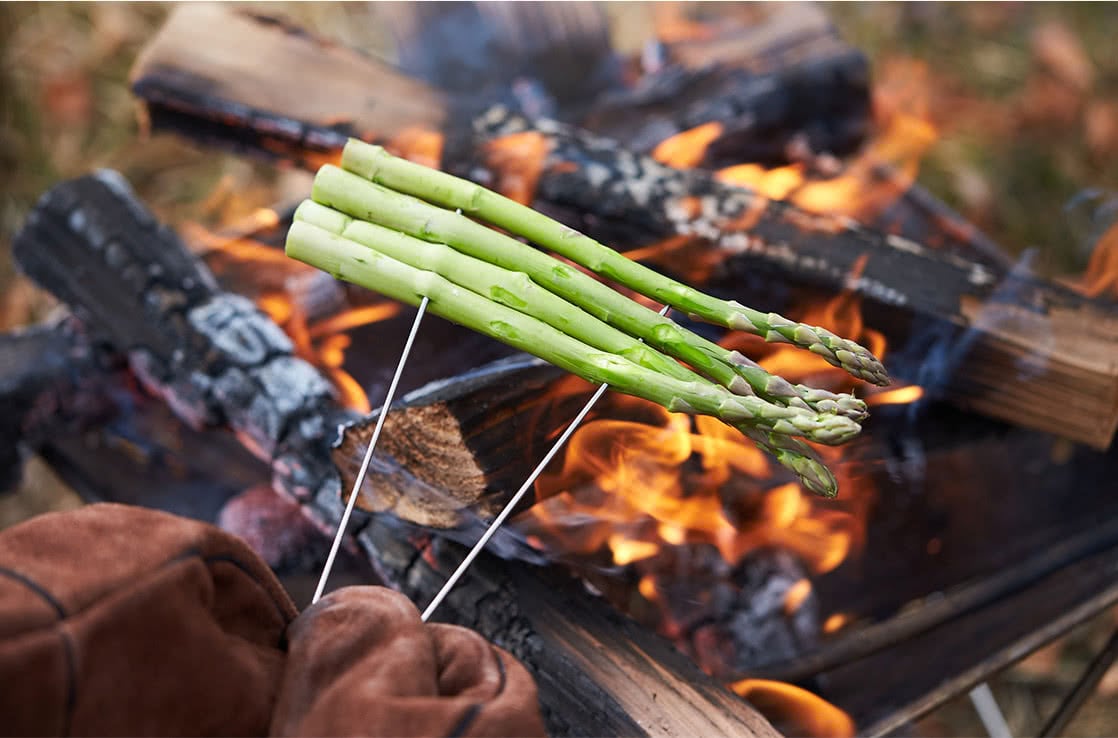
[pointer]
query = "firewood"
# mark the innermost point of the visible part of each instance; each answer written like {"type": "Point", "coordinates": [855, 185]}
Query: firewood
{"type": "Point", "coordinates": [602, 188]}
{"type": "Point", "coordinates": [239, 82]}
{"type": "Point", "coordinates": [51, 379]}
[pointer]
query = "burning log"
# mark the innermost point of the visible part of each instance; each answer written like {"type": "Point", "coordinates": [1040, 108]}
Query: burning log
{"type": "Point", "coordinates": [221, 363]}
{"type": "Point", "coordinates": [766, 89]}
{"type": "Point", "coordinates": [776, 83]}
{"type": "Point", "coordinates": [1065, 382]}
{"type": "Point", "coordinates": [1030, 349]}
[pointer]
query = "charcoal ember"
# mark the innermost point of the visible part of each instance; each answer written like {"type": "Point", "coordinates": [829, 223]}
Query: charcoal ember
{"type": "Point", "coordinates": [736, 617]}
{"type": "Point", "coordinates": [758, 623]}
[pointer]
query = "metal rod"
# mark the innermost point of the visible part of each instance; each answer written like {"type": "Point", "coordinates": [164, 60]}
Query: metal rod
{"type": "Point", "coordinates": [507, 510]}
{"type": "Point", "coordinates": [1082, 690]}
{"type": "Point", "coordinates": [982, 697]}
{"type": "Point", "coordinates": [369, 453]}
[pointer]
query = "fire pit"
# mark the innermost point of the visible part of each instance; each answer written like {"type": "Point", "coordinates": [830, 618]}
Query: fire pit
{"type": "Point", "coordinates": [968, 530]}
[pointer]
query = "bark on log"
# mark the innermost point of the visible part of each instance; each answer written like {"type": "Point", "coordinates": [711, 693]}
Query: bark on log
{"type": "Point", "coordinates": [220, 363]}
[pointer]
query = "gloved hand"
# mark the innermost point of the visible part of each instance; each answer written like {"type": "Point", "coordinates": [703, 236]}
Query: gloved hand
{"type": "Point", "coordinates": [118, 620]}
{"type": "Point", "coordinates": [126, 621]}
{"type": "Point", "coordinates": [362, 663]}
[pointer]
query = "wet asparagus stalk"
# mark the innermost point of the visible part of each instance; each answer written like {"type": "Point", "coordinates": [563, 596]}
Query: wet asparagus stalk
{"type": "Point", "coordinates": [377, 165]}
{"type": "Point", "coordinates": [363, 200]}
{"type": "Point", "coordinates": [374, 270]}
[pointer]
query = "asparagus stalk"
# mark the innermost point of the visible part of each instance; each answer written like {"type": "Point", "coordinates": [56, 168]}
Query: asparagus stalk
{"type": "Point", "coordinates": [520, 293]}
{"type": "Point", "coordinates": [364, 200]}
{"type": "Point", "coordinates": [377, 165]}
{"type": "Point", "coordinates": [511, 289]}
{"type": "Point", "coordinates": [374, 270]}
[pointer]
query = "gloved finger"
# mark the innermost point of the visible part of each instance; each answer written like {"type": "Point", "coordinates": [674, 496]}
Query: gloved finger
{"type": "Point", "coordinates": [503, 693]}
{"type": "Point", "coordinates": [356, 645]}
{"type": "Point", "coordinates": [467, 663]}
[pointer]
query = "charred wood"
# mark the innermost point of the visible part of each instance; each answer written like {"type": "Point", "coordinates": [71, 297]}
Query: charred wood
{"type": "Point", "coordinates": [779, 83]}
{"type": "Point", "coordinates": [215, 358]}
{"type": "Point", "coordinates": [51, 380]}
{"type": "Point", "coordinates": [805, 89]}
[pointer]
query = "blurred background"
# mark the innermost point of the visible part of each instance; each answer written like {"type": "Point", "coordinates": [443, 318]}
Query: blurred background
{"type": "Point", "coordinates": [1022, 96]}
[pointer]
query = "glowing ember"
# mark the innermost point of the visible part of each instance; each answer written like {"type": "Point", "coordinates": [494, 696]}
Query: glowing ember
{"type": "Point", "coordinates": [835, 622]}
{"type": "Point", "coordinates": [795, 711]}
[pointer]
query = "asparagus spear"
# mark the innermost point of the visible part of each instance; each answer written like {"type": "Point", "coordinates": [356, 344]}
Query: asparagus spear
{"type": "Point", "coordinates": [364, 200]}
{"type": "Point", "coordinates": [518, 292]}
{"type": "Point", "coordinates": [798, 457]}
{"type": "Point", "coordinates": [369, 268]}
{"type": "Point", "coordinates": [377, 165]}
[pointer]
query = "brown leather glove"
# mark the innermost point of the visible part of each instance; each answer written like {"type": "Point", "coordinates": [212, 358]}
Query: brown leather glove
{"type": "Point", "coordinates": [362, 663]}
{"type": "Point", "coordinates": [126, 621]}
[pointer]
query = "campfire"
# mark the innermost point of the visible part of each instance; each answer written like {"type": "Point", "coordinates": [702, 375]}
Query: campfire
{"type": "Point", "coordinates": [751, 156]}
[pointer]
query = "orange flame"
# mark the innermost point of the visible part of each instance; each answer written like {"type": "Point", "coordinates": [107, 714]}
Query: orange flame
{"type": "Point", "coordinates": [518, 159]}
{"type": "Point", "coordinates": [868, 183]}
{"type": "Point", "coordinates": [687, 148]}
{"type": "Point", "coordinates": [795, 711]}
{"type": "Point", "coordinates": [419, 145]}
{"type": "Point", "coordinates": [796, 596]}
{"type": "Point", "coordinates": [898, 396]}
{"type": "Point", "coordinates": [1101, 277]}
{"type": "Point", "coordinates": [835, 622]}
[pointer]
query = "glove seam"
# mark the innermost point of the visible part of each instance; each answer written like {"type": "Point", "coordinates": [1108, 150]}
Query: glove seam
{"type": "Point", "coordinates": [59, 626]}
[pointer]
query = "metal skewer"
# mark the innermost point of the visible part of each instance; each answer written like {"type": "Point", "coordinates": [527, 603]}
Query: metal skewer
{"type": "Point", "coordinates": [369, 453]}
{"type": "Point", "coordinates": [507, 510]}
